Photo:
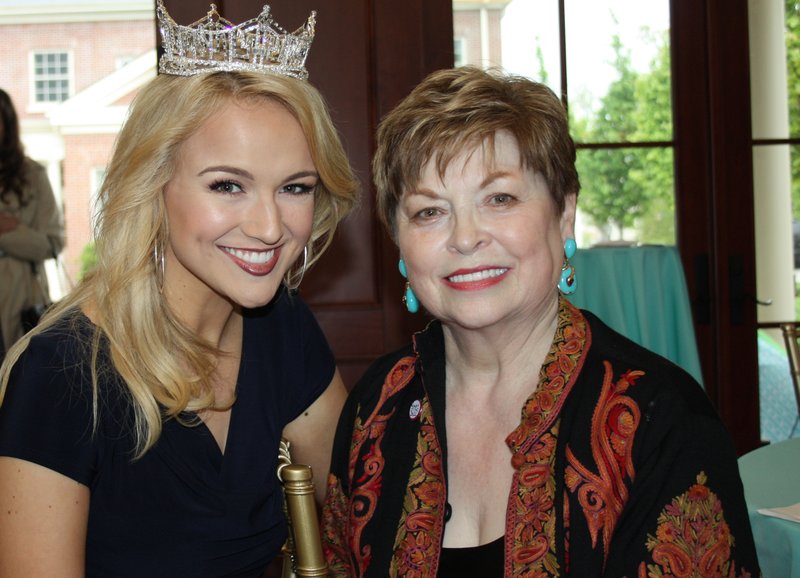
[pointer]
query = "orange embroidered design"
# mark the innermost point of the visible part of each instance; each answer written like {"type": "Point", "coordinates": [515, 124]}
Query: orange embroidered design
{"type": "Point", "coordinates": [692, 538]}
{"type": "Point", "coordinates": [419, 533]}
{"type": "Point", "coordinates": [531, 529]}
{"type": "Point", "coordinates": [367, 487]}
{"type": "Point", "coordinates": [602, 495]}
{"type": "Point", "coordinates": [336, 552]}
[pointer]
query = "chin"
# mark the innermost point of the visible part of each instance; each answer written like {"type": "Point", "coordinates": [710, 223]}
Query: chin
{"type": "Point", "coordinates": [254, 301]}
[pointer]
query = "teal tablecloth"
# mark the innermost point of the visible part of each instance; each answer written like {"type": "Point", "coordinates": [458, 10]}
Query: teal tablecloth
{"type": "Point", "coordinates": [641, 292]}
{"type": "Point", "coordinates": [771, 478]}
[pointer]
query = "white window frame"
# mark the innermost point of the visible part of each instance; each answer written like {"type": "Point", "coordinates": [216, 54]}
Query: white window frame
{"type": "Point", "coordinates": [460, 51]}
{"type": "Point", "coordinates": [36, 105]}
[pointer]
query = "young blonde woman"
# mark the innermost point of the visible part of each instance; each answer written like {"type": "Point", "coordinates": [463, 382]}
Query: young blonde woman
{"type": "Point", "coordinates": [140, 422]}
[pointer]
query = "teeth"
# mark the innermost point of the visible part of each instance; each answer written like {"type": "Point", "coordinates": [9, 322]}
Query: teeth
{"type": "Point", "coordinates": [477, 276]}
{"type": "Point", "coordinates": [254, 257]}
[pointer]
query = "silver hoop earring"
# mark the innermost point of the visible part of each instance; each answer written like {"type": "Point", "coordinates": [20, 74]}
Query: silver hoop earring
{"type": "Point", "coordinates": [158, 259]}
{"type": "Point", "coordinates": [293, 286]}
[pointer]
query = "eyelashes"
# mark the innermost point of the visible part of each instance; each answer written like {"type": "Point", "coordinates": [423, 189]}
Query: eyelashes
{"type": "Point", "coordinates": [299, 188]}
{"type": "Point", "coordinates": [231, 187]}
{"type": "Point", "coordinates": [226, 187]}
{"type": "Point", "coordinates": [497, 200]}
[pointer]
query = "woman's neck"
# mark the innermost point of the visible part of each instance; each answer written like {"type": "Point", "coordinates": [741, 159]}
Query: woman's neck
{"type": "Point", "coordinates": [500, 358]}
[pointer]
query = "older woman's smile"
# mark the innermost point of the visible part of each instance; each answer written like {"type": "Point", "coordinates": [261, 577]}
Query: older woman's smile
{"type": "Point", "coordinates": [474, 279]}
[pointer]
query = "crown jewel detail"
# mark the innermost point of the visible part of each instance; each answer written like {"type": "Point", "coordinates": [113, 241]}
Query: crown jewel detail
{"type": "Point", "coordinates": [214, 43]}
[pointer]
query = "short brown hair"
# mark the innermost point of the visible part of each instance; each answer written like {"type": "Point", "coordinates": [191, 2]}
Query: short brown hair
{"type": "Point", "coordinates": [460, 107]}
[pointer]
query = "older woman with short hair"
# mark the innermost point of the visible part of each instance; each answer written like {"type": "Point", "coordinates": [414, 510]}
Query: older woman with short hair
{"type": "Point", "coordinates": [516, 435]}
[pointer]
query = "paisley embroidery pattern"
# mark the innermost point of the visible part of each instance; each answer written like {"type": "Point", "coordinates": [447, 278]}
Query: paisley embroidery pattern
{"type": "Point", "coordinates": [692, 538]}
{"type": "Point", "coordinates": [421, 525]}
{"type": "Point", "coordinates": [531, 525]}
{"type": "Point", "coordinates": [336, 552]}
{"type": "Point", "coordinates": [366, 442]}
{"type": "Point", "coordinates": [603, 495]}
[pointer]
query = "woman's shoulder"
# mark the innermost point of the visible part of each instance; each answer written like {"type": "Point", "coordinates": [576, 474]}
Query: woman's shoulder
{"type": "Point", "coordinates": [661, 402]}
{"type": "Point", "coordinates": [651, 374]}
{"type": "Point", "coordinates": [367, 389]}
{"type": "Point", "coordinates": [32, 164]}
{"type": "Point", "coordinates": [33, 168]}
{"type": "Point", "coordinates": [66, 334]}
{"type": "Point", "coordinates": [48, 414]}
{"type": "Point", "coordinates": [61, 348]}
{"type": "Point", "coordinates": [63, 372]}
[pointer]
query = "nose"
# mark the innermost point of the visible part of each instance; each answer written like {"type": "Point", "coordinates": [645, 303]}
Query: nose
{"type": "Point", "coordinates": [467, 234]}
{"type": "Point", "coordinates": [263, 221]}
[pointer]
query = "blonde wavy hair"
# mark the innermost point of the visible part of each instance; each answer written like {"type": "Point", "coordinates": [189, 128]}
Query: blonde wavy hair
{"type": "Point", "coordinates": [142, 333]}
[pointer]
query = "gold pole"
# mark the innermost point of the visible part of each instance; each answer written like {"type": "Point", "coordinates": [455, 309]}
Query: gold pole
{"type": "Point", "coordinates": [298, 488]}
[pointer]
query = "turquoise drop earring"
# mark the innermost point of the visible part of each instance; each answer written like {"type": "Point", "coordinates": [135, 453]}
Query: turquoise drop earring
{"type": "Point", "coordinates": [412, 304]}
{"type": "Point", "coordinates": [568, 283]}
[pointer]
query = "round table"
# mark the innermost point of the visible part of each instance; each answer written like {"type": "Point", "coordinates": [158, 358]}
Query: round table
{"type": "Point", "coordinates": [771, 478]}
{"type": "Point", "coordinates": [640, 292]}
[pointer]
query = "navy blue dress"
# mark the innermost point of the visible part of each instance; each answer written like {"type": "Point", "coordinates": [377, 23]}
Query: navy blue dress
{"type": "Point", "coordinates": [184, 508]}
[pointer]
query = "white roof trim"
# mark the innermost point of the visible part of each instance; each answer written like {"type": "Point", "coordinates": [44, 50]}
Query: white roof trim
{"type": "Point", "coordinates": [28, 12]}
{"type": "Point", "coordinates": [93, 109]}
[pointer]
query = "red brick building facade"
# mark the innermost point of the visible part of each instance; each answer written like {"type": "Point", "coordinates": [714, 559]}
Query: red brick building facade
{"type": "Point", "coordinates": [476, 32]}
{"type": "Point", "coordinates": [71, 68]}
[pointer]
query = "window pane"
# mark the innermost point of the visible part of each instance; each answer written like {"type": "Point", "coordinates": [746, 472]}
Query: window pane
{"type": "Point", "coordinates": [627, 194]}
{"type": "Point", "coordinates": [618, 90]}
{"type": "Point", "coordinates": [477, 28]}
{"type": "Point", "coordinates": [51, 74]}
{"type": "Point", "coordinates": [618, 69]}
{"type": "Point", "coordinates": [774, 62]}
{"type": "Point", "coordinates": [531, 40]}
{"type": "Point", "coordinates": [792, 23]}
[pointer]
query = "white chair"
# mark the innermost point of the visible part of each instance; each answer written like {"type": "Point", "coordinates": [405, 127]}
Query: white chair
{"type": "Point", "coordinates": [789, 330]}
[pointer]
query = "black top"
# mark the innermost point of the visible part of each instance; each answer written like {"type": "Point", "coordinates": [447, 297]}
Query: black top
{"type": "Point", "coordinates": [616, 448]}
{"type": "Point", "coordinates": [485, 561]}
{"type": "Point", "coordinates": [184, 508]}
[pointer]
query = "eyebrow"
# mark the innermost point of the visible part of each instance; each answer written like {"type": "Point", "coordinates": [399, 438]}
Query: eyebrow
{"type": "Point", "coordinates": [490, 178]}
{"type": "Point", "coordinates": [302, 174]}
{"type": "Point", "coordinates": [493, 176]}
{"type": "Point", "coordinates": [248, 175]}
{"type": "Point", "coordinates": [226, 169]}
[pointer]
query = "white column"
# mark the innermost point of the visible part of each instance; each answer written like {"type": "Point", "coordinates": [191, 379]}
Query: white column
{"type": "Point", "coordinates": [771, 164]}
{"type": "Point", "coordinates": [485, 40]}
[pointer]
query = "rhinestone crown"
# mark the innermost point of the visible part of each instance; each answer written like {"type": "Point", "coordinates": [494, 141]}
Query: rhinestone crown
{"type": "Point", "coordinates": [213, 43]}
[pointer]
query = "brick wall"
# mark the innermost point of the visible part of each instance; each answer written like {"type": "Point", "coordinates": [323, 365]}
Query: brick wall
{"type": "Point", "coordinates": [84, 153]}
{"type": "Point", "coordinates": [467, 25]}
{"type": "Point", "coordinates": [96, 47]}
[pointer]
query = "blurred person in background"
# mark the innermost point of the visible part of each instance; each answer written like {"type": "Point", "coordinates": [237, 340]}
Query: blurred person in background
{"type": "Point", "coordinates": [31, 228]}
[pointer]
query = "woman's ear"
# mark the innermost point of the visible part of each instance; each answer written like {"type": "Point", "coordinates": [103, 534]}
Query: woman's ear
{"type": "Point", "coordinates": [568, 216]}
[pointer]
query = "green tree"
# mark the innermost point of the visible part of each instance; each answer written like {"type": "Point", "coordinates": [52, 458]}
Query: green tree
{"type": "Point", "coordinates": [610, 197]}
{"type": "Point", "coordinates": [655, 176]}
{"type": "Point", "coordinates": [88, 258]}
{"type": "Point", "coordinates": [630, 187]}
{"type": "Point", "coordinates": [792, 19]}
{"type": "Point", "coordinates": [543, 76]}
